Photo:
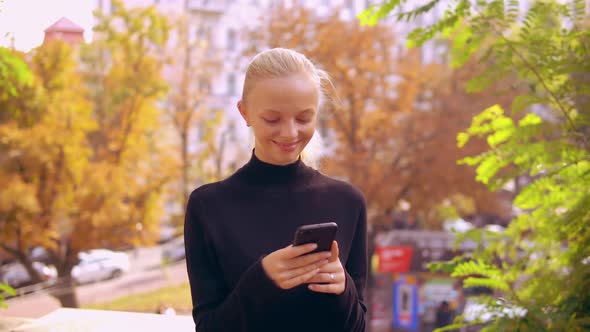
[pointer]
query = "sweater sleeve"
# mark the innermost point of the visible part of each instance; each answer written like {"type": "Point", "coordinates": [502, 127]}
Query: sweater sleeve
{"type": "Point", "coordinates": [350, 302]}
{"type": "Point", "coordinates": [215, 307]}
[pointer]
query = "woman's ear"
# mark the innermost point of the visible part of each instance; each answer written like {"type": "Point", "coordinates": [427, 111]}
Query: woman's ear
{"type": "Point", "coordinates": [243, 112]}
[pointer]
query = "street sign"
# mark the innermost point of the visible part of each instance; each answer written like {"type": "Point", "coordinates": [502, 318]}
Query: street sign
{"type": "Point", "coordinates": [394, 258]}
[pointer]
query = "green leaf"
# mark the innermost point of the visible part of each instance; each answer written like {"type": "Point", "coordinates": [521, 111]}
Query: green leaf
{"type": "Point", "coordinates": [14, 72]}
{"type": "Point", "coordinates": [503, 128]}
{"type": "Point", "coordinates": [472, 267]}
{"type": "Point", "coordinates": [462, 139]}
{"type": "Point", "coordinates": [531, 119]}
{"type": "Point", "coordinates": [452, 327]}
{"type": "Point", "coordinates": [481, 82]}
{"type": "Point", "coordinates": [7, 289]}
{"type": "Point", "coordinates": [374, 13]}
{"type": "Point", "coordinates": [521, 102]}
{"type": "Point", "coordinates": [465, 44]}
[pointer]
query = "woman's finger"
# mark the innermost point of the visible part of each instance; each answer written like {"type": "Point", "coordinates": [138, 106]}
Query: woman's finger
{"type": "Point", "coordinates": [290, 274]}
{"type": "Point", "coordinates": [331, 267]}
{"type": "Point", "coordinates": [335, 251]}
{"type": "Point", "coordinates": [307, 259]}
{"type": "Point", "coordinates": [327, 288]}
{"type": "Point", "coordinates": [294, 282]}
{"type": "Point", "coordinates": [296, 251]}
{"type": "Point", "coordinates": [325, 278]}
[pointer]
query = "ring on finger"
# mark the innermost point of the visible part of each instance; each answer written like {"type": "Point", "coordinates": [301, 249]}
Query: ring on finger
{"type": "Point", "coordinates": [332, 277]}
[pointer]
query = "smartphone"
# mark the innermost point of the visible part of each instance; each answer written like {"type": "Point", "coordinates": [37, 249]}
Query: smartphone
{"type": "Point", "coordinates": [322, 234]}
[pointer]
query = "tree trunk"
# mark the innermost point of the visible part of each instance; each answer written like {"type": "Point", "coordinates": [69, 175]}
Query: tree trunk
{"type": "Point", "coordinates": [65, 290]}
{"type": "Point", "coordinates": [28, 265]}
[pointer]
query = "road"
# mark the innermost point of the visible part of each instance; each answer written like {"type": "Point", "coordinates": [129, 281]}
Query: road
{"type": "Point", "coordinates": [146, 273]}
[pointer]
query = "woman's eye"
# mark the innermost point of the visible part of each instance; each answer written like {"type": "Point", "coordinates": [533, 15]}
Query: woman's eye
{"type": "Point", "coordinates": [305, 120]}
{"type": "Point", "coordinates": [270, 120]}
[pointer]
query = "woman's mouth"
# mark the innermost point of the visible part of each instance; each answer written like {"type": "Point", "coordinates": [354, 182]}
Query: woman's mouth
{"type": "Point", "coordinates": [288, 147]}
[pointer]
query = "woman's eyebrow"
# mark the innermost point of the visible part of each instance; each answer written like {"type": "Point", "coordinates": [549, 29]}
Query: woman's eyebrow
{"type": "Point", "coordinates": [308, 110]}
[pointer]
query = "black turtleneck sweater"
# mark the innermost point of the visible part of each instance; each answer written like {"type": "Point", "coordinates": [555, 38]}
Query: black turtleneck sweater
{"type": "Point", "coordinates": [230, 225]}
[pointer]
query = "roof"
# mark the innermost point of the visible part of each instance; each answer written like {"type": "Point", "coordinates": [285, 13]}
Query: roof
{"type": "Point", "coordinates": [64, 25]}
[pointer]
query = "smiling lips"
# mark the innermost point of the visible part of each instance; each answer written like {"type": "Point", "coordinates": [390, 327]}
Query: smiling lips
{"type": "Point", "coordinates": [287, 147]}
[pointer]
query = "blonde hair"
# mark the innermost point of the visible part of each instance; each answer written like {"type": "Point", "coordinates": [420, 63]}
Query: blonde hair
{"type": "Point", "coordinates": [282, 62]}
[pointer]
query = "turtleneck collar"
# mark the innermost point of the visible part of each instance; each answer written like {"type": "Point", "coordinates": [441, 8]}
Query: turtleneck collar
{"type": "Point", "coordinates": [259, 172]}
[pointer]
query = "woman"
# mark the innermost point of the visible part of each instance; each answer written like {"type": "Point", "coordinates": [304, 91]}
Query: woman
{"type": "Point", "coordinates": [244, 274]}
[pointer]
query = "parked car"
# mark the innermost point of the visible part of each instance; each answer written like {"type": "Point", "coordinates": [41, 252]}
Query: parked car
{"type": "Point", "coordinates": [174, 250]}
{"type": "Point", "coordinates": [40, 254]}
{"type": "Point", "coordinates": [100, 264]}
{"type": "Point", "coordinates": [16, 275]}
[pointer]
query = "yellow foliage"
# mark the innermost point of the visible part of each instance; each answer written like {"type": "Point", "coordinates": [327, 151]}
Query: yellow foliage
{"type": "Point", "coordinates": [88, 170]}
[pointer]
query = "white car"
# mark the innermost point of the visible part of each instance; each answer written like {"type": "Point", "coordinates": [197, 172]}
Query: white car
{"type": "Point", "coordinates": [99, 264]}
{"type": "Point", "coordinates": [174, 250]}
{"type": "Point", "coordinates": [16, 275]}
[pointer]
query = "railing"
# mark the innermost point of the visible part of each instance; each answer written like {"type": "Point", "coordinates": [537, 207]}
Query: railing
{"type": "Point", "coordinates": [55, 286]}
{"type": "Point", "coordinates": [67, 319]}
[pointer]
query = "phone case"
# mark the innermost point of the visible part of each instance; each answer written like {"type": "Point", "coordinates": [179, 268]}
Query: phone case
{"type": "Point", "coordinates": [323, 234]}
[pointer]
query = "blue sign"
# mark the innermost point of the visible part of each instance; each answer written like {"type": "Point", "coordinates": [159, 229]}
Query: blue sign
{"type": "Point", "coordinates": [405, 305]}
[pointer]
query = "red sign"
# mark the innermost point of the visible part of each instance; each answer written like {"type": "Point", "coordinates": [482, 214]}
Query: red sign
{"type": "Point", "coordinates": [394, 258]}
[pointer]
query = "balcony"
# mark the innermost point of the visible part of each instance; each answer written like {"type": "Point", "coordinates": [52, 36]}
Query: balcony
{"type": "Point", "coordinates": [66, 319]}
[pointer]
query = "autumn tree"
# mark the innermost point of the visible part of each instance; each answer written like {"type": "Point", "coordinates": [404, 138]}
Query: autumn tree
{"type": "Point", "coordinates": [200, 126]}
{"type": "Point", "coordinates": [193, 64]}
{"type": "Point", "coordinates": [15, 76]}
{"type": "Point", "coordinates": [87, 170]}
{"type": "Point", "coordinates": [43, 155]}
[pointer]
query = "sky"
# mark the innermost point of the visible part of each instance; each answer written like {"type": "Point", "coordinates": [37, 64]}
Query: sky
{"type": "Point", "coordinates": [27, 19]}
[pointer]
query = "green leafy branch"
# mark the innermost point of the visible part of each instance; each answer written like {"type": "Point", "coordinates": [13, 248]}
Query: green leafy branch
{"type": "Point", "coordinates": [5, 290]}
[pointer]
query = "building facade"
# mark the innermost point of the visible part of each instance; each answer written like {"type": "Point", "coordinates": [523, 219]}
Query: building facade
{"type": "Point", "coordinates": [224, 20]}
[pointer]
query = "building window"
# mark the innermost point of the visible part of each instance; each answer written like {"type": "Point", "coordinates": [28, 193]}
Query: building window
{"type": "Point", "coordinates": [231, 40]}
{"type": "Point", "coordinates": [112, 8]}
{"type": "Point", "coordinates": [231, 84]}
{"type": "Point", "coordinates": [200, 31]}
{"type": "Point", "coordinates": [205, 85]}
{"type": "Point", "coordinates": [351, 6]}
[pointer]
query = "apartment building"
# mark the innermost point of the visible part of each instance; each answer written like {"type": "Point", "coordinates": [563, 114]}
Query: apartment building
{"type": "Point", "coordinates": [223, 20]}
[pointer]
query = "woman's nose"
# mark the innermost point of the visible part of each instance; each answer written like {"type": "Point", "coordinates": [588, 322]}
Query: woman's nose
{"type": "Point", "coordinates": [289, 129]}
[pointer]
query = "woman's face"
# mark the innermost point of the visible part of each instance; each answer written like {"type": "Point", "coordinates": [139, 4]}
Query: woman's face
{"type": "Point", "coordinates": [282, 113]}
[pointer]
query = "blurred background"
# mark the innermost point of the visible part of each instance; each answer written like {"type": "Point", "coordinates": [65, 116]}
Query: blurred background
{"type": "Point", "coordinates": [113, 111]}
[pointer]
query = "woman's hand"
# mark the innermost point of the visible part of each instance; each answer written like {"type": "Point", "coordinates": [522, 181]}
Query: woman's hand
{"type": "Point", "coordinates": [292, 266]}
{"type": "Point", "coordinates": [331, 277]}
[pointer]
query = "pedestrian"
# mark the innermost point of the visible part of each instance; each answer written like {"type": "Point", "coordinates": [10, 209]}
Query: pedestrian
{"type": "Point", "coordinates": [444, 314]}
{"type": "Point", "coordinates": [244, 273]}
